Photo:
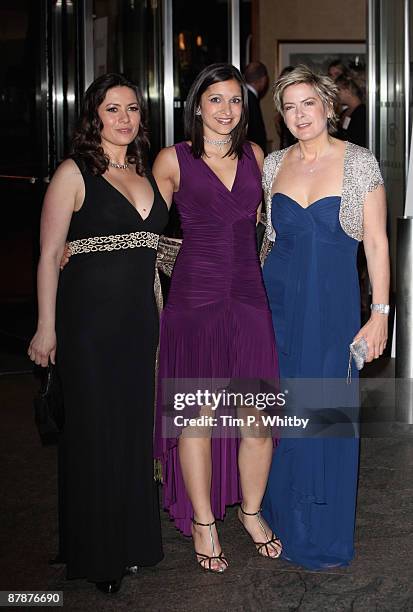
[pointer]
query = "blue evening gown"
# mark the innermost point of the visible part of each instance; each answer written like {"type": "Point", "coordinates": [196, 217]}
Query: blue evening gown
{"type": "Point", "coordinates": [312, 285]}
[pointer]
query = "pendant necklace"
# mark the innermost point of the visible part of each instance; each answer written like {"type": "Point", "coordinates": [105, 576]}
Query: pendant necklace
{"type": "Point", "coordinates": [315, 162]}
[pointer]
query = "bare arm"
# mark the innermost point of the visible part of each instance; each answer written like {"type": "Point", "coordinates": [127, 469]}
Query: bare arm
{"type": "Point", "coordinates": [64, 195]}
{"type": "Point", "coordinates": [166, 173]}
{"type": "Point", "coordinates": [377, 255]}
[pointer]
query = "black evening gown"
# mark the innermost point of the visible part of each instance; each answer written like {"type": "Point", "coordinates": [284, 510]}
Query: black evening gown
{"type": "Point", "coordinates": [107, 334]}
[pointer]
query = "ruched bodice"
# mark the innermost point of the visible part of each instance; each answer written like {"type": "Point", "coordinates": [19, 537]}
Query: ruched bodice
{"type": "Point", "coordinates": [218, 258]}
{"type": "Point", "coordinates": [311, 278]}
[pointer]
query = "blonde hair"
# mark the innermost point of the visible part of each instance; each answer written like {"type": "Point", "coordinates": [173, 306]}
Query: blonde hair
{"type": "Point", "coordinates": [324, 87]}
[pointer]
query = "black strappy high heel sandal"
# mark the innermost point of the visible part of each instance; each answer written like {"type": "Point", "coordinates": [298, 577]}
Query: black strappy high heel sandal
{"type": "Point", "coordinates": [273, 542]}
{"type": "Point", "coordinates": [205, 562]}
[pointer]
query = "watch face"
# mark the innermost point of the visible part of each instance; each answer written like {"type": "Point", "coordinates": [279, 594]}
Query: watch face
{"type": "Point", "coordinates": [382, 308]}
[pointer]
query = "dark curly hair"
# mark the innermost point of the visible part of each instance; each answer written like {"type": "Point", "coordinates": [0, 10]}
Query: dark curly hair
{"type": "Point", "coordinates": [86, 142]}
{"type": "Point", "coordinates": [214, 73]}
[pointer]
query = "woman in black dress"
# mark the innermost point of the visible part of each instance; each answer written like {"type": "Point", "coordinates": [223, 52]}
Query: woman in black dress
{"type": "Point", "coordinates": [100, 321]}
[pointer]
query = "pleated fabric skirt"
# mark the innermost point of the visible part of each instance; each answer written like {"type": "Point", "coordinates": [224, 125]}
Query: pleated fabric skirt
{"type": "Point", "coordinates": [220, 342]}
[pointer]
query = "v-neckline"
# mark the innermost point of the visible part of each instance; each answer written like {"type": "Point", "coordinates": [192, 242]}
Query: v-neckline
{"type": "Point", "coordinates": [131, 203]}
{"type": "Point", "coordinates": [346, 149]}
{"type": "Point", "coordinates": [217, 177]}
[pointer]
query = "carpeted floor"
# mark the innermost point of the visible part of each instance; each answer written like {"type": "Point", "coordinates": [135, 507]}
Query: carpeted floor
{"type": "Point", "coordinates": [380, 578]}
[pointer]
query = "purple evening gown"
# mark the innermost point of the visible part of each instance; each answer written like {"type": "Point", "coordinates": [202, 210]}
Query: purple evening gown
{"type": "Point", "coordinates": [216, 322]}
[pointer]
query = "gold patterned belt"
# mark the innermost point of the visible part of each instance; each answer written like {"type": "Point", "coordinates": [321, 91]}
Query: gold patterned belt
{"type": "Point", "coordinates": [114, 242]}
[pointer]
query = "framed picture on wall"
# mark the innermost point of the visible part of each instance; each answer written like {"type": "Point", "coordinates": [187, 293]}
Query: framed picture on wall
{"type": "Point", "coordinates": [319, 54]}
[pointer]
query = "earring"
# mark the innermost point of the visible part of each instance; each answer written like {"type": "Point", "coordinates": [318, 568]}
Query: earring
{"type": "Point", "coordinates": [198, 111]}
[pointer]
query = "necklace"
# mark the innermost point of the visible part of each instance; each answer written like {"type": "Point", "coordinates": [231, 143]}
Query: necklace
{"type": "Point", "coordinates": [218, 143]}
{"type": "Point", "coordinates": [119, 166]}
{"type": "Point", "coordinates": [313, 162]}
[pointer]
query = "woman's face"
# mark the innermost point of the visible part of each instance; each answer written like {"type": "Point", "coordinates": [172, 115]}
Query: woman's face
{"type": "Point", "coordinates": [221, 108]}
{"type": "Point", "coordinates": [344, 95]}
{"type": "Point", "coordinates": [304, 112]}
{"type": "Point", "coordinates": [334, 72]}
{"type": "Point", "coordinates": [120, 116]}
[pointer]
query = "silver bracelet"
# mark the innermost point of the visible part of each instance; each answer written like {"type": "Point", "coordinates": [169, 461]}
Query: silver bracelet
{"type": "Point", "coordinates": [381, 308]}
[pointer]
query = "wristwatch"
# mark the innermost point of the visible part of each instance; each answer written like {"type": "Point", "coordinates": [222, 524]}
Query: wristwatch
{"type": "Point", "coordinates": [381, 308]}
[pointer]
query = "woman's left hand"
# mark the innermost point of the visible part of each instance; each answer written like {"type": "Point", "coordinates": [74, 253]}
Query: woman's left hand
{"type": "Point", "coordinates": [67, 253]}
{"type": "Point", "coordinates": [375, 334]}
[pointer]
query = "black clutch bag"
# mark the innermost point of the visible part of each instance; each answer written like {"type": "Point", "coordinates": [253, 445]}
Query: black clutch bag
{"type": "Point", "coordinates": [48, 407]}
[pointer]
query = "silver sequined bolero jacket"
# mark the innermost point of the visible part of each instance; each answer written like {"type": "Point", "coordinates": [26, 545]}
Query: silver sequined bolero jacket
{"type": "Point", "coordinates": [361, 175]}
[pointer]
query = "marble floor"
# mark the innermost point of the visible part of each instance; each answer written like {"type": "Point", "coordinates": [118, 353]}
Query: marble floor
{"type": "Point", "coordinates": [379, 579]}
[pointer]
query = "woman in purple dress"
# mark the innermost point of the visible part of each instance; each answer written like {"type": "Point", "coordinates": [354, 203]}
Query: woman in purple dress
{"type": "Point", "coordinates": [216, 323]}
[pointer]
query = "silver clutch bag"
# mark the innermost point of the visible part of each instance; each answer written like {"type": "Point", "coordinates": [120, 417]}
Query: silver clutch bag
{"type": "Point", "coordinates": [359, 351]}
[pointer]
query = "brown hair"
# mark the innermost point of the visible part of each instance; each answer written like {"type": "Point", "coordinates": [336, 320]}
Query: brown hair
{"type": "Point", "coordinates": [255, 71]}
{"type": "Point", "coordinates": [86, 142]}
{"type": "Point", "coordinates": [215, 73]}
{"type": "Point", "coordinates": [350, 84]}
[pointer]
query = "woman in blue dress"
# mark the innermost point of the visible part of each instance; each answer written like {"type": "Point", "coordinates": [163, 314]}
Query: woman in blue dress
{"type": "Point", "coordinates": [323, 197]}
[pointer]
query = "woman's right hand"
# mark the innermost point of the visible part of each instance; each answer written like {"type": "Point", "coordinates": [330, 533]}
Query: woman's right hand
{"type": "Point", "coordinates": [43, 347]}
{"type": "Point", "coordinates": [66, 256]}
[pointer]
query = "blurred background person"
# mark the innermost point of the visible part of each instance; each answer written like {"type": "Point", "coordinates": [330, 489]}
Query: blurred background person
{"type": "Point", "coordinates": [357, 72]}
{"type": "Point", "coordinates": [256, 76]}
{"type": "Point", "coordinates": [353, 120]}
{"type": "Point", "coordinates": [336, 68]}
{"type": "Point", "coordinates": [284, 134]}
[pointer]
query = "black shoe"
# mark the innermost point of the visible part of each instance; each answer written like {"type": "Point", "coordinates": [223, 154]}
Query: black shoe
{"type": "Point", "coordinates": [109, 586]}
